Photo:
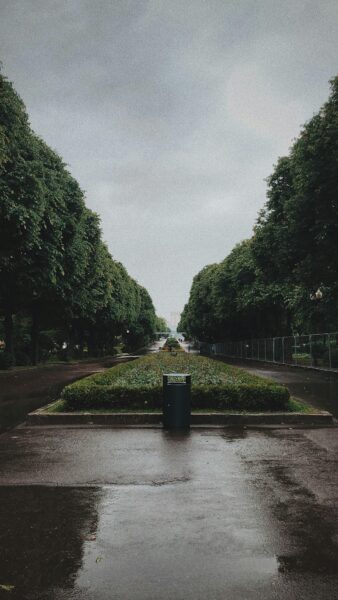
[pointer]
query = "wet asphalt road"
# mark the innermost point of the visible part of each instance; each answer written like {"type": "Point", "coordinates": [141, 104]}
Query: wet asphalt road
{"type": "Point", "coordinates": [141, 514]}
{"type": "Point", "coordinates": [24, 390]}
{"type": "Point", "coordinates": [316, 387]}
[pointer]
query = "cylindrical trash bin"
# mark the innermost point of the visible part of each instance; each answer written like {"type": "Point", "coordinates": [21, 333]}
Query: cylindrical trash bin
{"type": "Point", "coordinates": [176, 401]}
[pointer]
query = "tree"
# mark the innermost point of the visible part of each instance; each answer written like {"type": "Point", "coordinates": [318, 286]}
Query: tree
{"type": "Point", "coordinates": [198, 319]}
{"type": "Point", "coordinates": [296, 237]}
{"type": "Point", "coordinates": [55, 270]}
{"type": "Point", "coordinates": [161, 325]}
{"type": "Point", "coordinates": [142, 329]}
{"type": "Point", "coordinates": [266, 286]}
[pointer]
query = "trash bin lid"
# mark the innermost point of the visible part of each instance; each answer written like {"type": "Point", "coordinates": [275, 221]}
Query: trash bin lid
{"type": "Point", "coordinates": [176, 374]}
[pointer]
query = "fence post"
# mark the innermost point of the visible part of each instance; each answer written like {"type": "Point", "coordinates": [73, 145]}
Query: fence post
{"type": "Point", "coordinates": [251, 349]}
{"type": "Point", "coordinates": [329, 340]}
{"type": "Point", "coordinates": [294, 349]}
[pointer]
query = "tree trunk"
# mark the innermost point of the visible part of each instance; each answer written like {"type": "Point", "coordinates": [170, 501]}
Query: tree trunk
{"type": "Point", "coordinates": [81, 339]}
{"type": "Point", "coordinates": [70, 342]}
{"type": "Point", "coordinates": [92, 342]}
{"type": "Point", "coordinates": [35, 336]}
{"type": "Point", "coordinates": [9, 330]}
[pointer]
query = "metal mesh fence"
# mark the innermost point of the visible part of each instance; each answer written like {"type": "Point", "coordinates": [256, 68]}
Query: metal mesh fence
{"type": "Point", "coordinates": [316, 350]}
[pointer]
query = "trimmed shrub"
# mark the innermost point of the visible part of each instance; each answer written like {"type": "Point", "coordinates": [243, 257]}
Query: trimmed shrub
{"type": "Point", "coordinates": [138, 385]}
{"type": "Point", "coordinates": [172, 342]}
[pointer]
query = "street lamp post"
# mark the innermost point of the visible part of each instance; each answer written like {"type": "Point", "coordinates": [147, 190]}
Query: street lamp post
{"type": "Point", "coordinates": [315, 297]}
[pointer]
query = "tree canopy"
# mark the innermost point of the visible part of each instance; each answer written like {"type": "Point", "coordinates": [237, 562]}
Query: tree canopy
{"type": "Point", "coordinates": [56, 273]}
{"type": "Point", "coordinates": [267, 285]}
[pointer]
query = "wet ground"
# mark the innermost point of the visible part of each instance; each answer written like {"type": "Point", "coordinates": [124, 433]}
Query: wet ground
{"type": "Point", "coordinates": [99, 514]}
{"type": "Point", "coordinates": [142, 514]}
{"type": "Point", "coordinates": [24, 390]}
{"type": "Point", "coordinates": [316, 387]}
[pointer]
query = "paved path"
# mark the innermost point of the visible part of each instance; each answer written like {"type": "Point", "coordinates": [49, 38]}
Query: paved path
{"type": "Point", "coordinates": [142, 514]}
{"type": "Point", "coordinates": [99, 514]}
{"type": "Point", "coordinates": [315, 387]}
{"type": "Point", "coordinates": [23, 390]}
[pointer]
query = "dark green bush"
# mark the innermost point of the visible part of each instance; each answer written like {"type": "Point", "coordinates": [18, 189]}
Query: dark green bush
{"type": "Point", "coordinates": [98, 392]}
{"type": "Point", "coordinates": [6, 360]}
{"type": "Point", "coordinates": [172, 343]}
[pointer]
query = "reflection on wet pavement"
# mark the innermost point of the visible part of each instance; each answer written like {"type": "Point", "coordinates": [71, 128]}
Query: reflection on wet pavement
{"type": "Point", "coordinates": [24, 390]}
{"type": "Point", "coordinates": [230, 514]}
{"type": "Point", "coordinates": [42, 534]}
{"type": "Point", "coordinates": [318, 388]}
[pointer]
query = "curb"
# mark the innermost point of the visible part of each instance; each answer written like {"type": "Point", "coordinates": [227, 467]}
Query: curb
{"type": "Point", "coordinates": [39, 417]}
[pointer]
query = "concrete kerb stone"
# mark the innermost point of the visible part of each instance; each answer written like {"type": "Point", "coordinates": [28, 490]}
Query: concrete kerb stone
{"type": "Point", "coordinates": [141, 419]}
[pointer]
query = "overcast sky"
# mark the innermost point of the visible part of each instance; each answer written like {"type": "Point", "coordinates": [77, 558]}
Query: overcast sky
{"type": "Point", "coordinates": [170, 113]}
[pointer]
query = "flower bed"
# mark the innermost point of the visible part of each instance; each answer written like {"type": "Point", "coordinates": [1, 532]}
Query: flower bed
{"type": "Point", "coordinates": [138, 385]}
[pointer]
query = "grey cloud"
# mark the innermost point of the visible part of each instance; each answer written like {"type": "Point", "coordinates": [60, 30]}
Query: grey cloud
{"type": "Point", "coordinates": [170, 114]}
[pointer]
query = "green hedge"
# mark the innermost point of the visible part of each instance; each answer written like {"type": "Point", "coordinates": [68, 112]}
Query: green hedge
{"type": "Point", "coordinates": [242, 392]}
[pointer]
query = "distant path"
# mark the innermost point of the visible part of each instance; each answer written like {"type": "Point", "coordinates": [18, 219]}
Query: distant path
{"type": "Point", "coordinates": [26, 389]}
{"type": "Point", "coordinates": [315, 387]}
{"type": "Point", "coordinates": [189, 347]}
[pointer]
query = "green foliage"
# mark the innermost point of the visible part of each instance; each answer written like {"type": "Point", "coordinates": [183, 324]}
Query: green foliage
{"type": "Point", "coordinates": [296, 405]}
{"type": "Point", "coordinates": [172, 343]}
{"type": "Point", "coordinates": [54, 267]}
{"type": "Point", "coordinates": [231, 300]}
{"type": "Point", "coordinates": [296, 236]}
{"type": "Point", "coordinates": [161, 325]}
{"type": "Point", "coordinates": [142, 329]}
{"type": "Point", "coordinates": [265, 287]}
{"type": "Point", "coordinates": [138, 385]}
